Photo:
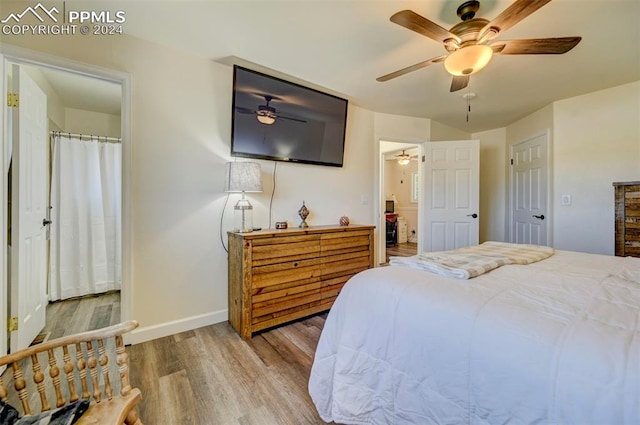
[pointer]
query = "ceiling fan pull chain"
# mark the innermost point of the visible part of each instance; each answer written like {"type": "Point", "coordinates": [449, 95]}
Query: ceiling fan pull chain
{"type": "Point", "coordinates": [468, 102]}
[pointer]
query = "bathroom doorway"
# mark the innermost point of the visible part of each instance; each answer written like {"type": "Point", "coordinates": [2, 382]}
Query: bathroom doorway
{"type": "Point", "coordinates": [400, 196]}
{"type": "Point", "coordinates": [91, 104]}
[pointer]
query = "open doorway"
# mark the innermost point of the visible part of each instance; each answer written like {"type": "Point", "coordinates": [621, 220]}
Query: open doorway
{"type": "Point", "coordinates": [84, 110]}
{"type": "Point", "coordinates": [400, 196]}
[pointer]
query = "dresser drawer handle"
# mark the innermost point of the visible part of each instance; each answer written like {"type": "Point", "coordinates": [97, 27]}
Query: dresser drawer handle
{"type": "Point", "coordinates": [295, 264]}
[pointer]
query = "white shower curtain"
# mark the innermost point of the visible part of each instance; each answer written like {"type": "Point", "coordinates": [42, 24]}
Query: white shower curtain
{"type": "Point", "coordinates": [86, 217]}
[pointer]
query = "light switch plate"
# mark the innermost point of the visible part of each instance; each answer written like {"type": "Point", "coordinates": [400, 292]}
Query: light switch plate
{"type": "Point", "coordinates": [565, 200]}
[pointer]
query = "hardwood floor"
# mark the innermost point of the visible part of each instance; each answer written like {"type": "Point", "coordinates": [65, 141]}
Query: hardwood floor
{"type": "Point", "coordinates": [211, 376]}
{"type": "Point", "coordinates": [81, 314]}
{"type": "Point", "coordinates": [66, 318]}
{"type": "Point", "coordinates": [402, 250]}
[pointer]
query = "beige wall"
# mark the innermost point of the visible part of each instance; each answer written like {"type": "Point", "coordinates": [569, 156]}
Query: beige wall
{"type": "Point", "coordinates": [398, 128]}
{"type": "Point", "coordinates": [493, 184]}
{"type": "Point", "coordinates": [55, 106]}
{"type": "Point", "coordinates": [441, 132]}
{"type": "Point", "coordinates": [181, 111]}
{"type": "Point", "coordinates": [89, 122]}
{"type": "Point", "coordinates": [594, 141]}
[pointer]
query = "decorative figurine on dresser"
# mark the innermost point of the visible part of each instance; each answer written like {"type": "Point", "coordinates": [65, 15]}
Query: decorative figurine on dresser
{"type": "Point", "coordinates": [276, 276]}
{"type": "Point", "coordinates": [303, 212]}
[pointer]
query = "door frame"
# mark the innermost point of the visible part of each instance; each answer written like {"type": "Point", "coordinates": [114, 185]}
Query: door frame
{"type": "Point", "coordinates": [510, 200]}
{"type": "Point", "coordinates": [16, 55]}
{"type": "Point", "coordinates": [379, 202]}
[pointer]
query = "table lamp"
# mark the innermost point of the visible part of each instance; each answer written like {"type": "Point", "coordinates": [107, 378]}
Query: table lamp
{"type": "Point", "coordinates": [243, 177]}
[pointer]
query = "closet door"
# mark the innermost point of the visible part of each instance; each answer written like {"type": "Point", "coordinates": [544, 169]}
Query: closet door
{"type": "Point", "coordinates": [530, 216]}
{"type": "Point", "coordinates": [452, 195]}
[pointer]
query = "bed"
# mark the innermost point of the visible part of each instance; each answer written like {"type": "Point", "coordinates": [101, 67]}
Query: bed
{"type": "Point", "coordinates": [552, 342]}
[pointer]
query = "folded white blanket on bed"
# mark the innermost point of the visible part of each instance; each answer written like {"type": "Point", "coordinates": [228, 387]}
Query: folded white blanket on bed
{"type": "Point", "coordinates": [472, 261]}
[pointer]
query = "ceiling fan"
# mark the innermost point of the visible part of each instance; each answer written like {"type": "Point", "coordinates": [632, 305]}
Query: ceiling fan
{"type": "Point", "coordinates": [266, 114]}
{"type": "Point", "coordinates": [470, 44]}
{"type": "Point", "coordinates": [404, 158]}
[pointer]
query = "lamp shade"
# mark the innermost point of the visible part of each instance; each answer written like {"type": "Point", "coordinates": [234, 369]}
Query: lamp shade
{"type": "Point", "coordinates": [243, 177]}
{"type": "Point", "coordinates": [468, 60]}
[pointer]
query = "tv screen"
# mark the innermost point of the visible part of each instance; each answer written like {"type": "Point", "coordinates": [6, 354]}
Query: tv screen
{"type": "Point", "coordinates": [283, 121]}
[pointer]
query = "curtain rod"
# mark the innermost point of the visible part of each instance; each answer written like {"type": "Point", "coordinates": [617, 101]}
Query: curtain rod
{"type": "Point", "coordinates": [87, 136]}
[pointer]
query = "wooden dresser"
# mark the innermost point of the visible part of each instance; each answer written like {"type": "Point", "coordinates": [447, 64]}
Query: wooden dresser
{"type": "Point", "coordinates": [276, 276]}
{"type": "Point", "coordinates": [627, 206]}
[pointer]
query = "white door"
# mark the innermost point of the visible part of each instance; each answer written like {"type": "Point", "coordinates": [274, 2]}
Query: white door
{"type": "Point", "coordinates": [529, 191]}
{"type": "Point", "coordinates": [451, 197]}
{"type": "Point", "coordinates": [28, 210]}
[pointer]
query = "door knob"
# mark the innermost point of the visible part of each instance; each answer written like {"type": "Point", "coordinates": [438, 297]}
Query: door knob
{"type": "Point", "coordinates": [541, 216]}
{"type": "Point", "coordinates": [45, 222]}
{"type": "Point", "coordinates": [474, 215]}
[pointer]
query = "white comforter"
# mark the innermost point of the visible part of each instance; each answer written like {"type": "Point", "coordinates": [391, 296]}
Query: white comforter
{"type": "Point", "coordinates": [555, 342]}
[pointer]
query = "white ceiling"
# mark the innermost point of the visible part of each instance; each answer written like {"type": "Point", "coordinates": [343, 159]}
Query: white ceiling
{"type": "Point", "coordinates": [84, 93]}
{"type": "Point", "coordinates": [344, 45]}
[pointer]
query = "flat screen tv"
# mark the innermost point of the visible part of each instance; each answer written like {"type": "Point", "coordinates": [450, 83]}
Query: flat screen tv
{"type": "Point", "coordinates": [283, 121]}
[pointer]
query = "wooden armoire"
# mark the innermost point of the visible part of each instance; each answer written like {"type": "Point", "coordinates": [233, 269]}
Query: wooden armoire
{"type": "Point", "coordinates": [627, 208]}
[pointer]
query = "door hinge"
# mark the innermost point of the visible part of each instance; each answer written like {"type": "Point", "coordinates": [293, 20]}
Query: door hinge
{"type": "Point", "coordinates": [13, 100]}
{"type": "Point", "coordinates": [13, 324]}
{"type": "Point", "coordinates": [511, 161]}
{"type": "Point", "coordinates": [424, 158]}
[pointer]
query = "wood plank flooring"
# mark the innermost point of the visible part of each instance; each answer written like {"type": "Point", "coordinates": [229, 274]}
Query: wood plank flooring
{"type": "Point", "coordinates": [211, 376]}
{"type": "Point", "coordinates": [81, 314]}
{"type": "Point", "coordinates": [402, 250]}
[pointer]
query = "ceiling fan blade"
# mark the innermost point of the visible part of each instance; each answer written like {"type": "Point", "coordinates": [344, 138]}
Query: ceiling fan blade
{"type": "Point", "coordinates": [536, 46]}
{"type": "Point", "coordinates": [411, 20]}
{"type": "Point", "coordinates": [458, 83]}
{"type": "Point", "coordinates": [411, 68]}
{"type": "Point", "coordinates": [290, 118]}
{"type": "Point", "coordinates": [517, 11]}
{"type": "Point", "coordinates": [245, 110]}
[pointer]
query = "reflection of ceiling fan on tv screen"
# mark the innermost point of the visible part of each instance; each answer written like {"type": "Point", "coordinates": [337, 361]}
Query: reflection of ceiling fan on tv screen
{"type": "Point", "coordinates": [471, 44]}
{"type": "Point", "coordinates": [266, 114]}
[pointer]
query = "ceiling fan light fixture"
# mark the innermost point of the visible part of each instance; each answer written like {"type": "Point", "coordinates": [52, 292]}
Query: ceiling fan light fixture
{"type": "Point", "coordinates": [404, 158]}
{"type": "Point", "coordinates": [468, 60]}
{"type": "Point", "coordinates": [265, 117]}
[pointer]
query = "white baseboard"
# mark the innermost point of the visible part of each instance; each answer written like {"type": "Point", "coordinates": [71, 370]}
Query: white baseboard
{"type": "Point", "coordinates": [147, 333]}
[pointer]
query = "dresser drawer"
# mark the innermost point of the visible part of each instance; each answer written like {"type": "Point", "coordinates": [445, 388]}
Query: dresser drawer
{"type": "Point", "coordinates": [289, 271]}
{"type": "Point", "coordinates": [340, 243]}
{"type": "Point", "coordinates": [275, 253]}
{"type": "Point", "coordinates": [267, 310]}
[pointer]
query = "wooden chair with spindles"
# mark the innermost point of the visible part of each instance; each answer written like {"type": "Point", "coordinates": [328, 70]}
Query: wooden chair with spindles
{"type": "Point", "coordinates": [63, 371]}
